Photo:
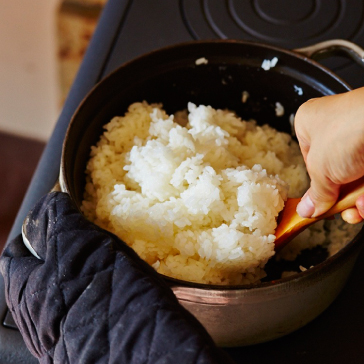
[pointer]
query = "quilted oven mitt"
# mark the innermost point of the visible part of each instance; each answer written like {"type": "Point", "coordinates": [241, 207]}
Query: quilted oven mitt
{"type": "Point", "coordinates": [91, 299]}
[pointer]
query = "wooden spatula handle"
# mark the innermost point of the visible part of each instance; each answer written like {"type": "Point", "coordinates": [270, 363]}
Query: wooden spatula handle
{"type": "Point", "coordinates": [348, 195]}
{"type": "Point", "coordinates": [290, 224]}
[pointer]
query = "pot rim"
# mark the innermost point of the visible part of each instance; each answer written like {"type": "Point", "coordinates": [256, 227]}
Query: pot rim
{"type": "Point", "coordinates": [294, 52]}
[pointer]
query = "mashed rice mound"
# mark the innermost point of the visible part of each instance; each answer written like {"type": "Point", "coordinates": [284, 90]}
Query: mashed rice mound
{"type": "Point", "coordinates": [197, 194]}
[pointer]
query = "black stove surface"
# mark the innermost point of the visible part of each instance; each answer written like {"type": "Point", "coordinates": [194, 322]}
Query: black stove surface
{"type": "Point", "coordinates": [130, 28]}
{"type": "Point", "coordinates": [287, 24]}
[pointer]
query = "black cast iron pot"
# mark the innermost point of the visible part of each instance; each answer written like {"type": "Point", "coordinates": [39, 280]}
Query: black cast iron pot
{"type": "Point", "coordinates": [240, 315]}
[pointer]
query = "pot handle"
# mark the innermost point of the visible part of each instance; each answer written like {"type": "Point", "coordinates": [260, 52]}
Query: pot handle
{"type": "Point", "coordinates": [331, 47]}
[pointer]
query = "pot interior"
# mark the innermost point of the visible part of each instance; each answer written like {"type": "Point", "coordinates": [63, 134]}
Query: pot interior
{"type": "Point", "coordinates": [170, 76]}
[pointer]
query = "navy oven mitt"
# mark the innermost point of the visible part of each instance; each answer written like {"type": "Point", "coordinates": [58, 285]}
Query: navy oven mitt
{"type": "Point", "coordinates": [91, 299]}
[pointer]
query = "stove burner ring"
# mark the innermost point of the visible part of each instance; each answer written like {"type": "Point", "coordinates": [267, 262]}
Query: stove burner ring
{"type": "Point", "coordinates": [290, 24]}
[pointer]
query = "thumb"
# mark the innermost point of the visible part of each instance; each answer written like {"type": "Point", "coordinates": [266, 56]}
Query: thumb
{"type": "Point", "coordinates": [318, 199]}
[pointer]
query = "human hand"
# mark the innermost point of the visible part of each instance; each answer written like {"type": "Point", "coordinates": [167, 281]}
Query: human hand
{"type": "Point", "coordinates": [330, 131]}
{"type": "Point", "coordinates": [90, 298]}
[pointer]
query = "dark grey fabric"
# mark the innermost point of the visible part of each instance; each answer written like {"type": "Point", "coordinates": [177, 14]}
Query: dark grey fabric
{"type": "Point", "coordinates": [91, 299]}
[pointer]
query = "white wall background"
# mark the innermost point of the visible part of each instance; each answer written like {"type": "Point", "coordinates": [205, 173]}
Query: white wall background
{"type": "Point", "coordinates": [29, 97]}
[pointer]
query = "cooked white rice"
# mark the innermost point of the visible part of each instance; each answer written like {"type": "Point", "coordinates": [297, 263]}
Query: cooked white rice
{"type": "Point", "coordinates": [196, 197]}
{"type": "Point", "coordinates": [267, 64]}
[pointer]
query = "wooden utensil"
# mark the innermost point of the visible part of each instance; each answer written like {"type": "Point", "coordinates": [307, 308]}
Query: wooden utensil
{"type": "Point", "coordinates": [290, 224]}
